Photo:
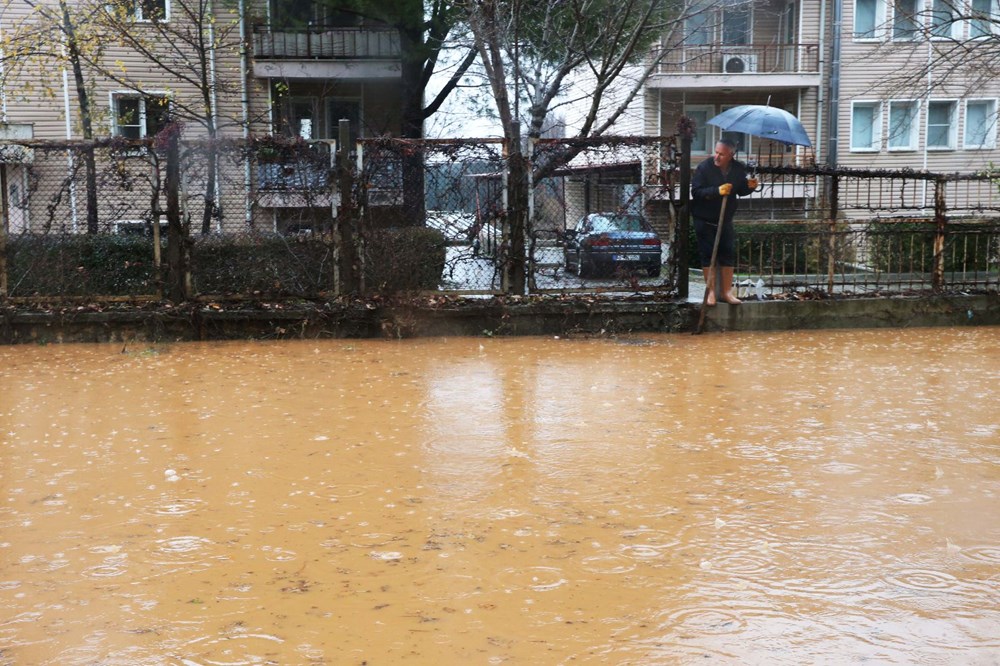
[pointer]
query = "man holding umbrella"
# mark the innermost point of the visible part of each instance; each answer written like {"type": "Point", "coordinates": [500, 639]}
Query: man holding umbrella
{"type": "Point", "coordinates": [713, 182]}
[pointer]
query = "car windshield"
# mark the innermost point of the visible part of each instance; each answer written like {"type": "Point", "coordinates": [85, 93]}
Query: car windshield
{"type": "Point", "coordinates": [602, 223]}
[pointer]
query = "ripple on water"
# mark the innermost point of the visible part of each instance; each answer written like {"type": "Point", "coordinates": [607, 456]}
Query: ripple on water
{"type": "Point", "coordinates": [242, 649]}
{"type": "Point", "coordinates": [112, 566]}
{"type": "Point", "coordinates": [824, 569]}
{"type": "Point", "coordinates": [607, 564]}
{"type": "Point", "coordinates": [647, 544]}
{"type": "Point", "coordinates": [705, 620]}
{"type": "Point", "coordinates": [177, 506]}
{"type": "Point", "coordinates": [923, 580]}
{"type": "Point", "coordinates": [537, 579]}
{"type": "Point", "coordinates": [836, 467]}
{"type": "Point", "coordinates": [987, 554]}
{"type": "Point", "coordinates": [336, 492]}
{"type": "Point", "coordinates": [912, 498]}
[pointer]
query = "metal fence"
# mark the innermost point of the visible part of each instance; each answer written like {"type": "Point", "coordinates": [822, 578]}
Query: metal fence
{"type": "Point", "coordinates": [276, 218]}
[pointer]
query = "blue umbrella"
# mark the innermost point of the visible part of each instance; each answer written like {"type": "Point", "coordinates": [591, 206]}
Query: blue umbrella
{"type": "Point", "coordinates": [766, 122]}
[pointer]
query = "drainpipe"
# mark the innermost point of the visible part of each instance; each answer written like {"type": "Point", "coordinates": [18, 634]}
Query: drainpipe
{"type": "Point", "coordinates": [838, 20]}
{"type": "Point", "coordinates": [214, 111]}
{"type": "Point", "coordinates": [247, 211]}
{"type": "Point", "coordinates": [821, 97]}
{"type": "Point", "coordinates": [3, 81]}
{"type": "Point", "coordinates": [69, 153]}
{"type": "Point", "coordinates": [927, 111]}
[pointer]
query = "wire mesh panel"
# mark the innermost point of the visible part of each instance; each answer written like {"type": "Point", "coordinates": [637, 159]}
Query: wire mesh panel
{"type": "Point", "coordinates": [60, 191]}
{"type": "Point", "coordinates": [603, 215]}
{"type": "Point", "coordinates": [879, 256]}
{"type": "Point", "coordinates": [433, 214]}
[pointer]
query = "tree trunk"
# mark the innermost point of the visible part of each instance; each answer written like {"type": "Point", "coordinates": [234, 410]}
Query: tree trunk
{"type": "Point", "coordinates": [412, 127]}
{"type": "Point", "coordinates": [177, 249]}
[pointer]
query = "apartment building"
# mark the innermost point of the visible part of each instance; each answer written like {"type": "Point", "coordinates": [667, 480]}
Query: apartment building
{"type": "Point", "coordinates": [876, 83]}
{"type": "Point", "coordinates": [261, 67]}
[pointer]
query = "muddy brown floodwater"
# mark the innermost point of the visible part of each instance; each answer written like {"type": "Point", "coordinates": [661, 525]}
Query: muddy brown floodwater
{"type": "Point", "coordinates": [827, 497]}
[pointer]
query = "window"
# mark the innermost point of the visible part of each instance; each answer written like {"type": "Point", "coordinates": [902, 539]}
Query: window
{"type": "Point", "coordinates": [698, 25]}
{"type": "Point", "coordinates": [150, 10]}
{"type": "Point", "coordinates": [905, 20]}
{"type": "Point", "coordinates": [299, 118]}
{"type": "Point", "coordinates": [866, 120]}
{"type": "Point", "coordinates": [868, 18]}
{"type": "Point", "coordinates": [702, 140]}
{"type": "Point", "coordinates": [980, 123]}
{"type": "Point", "coordinates": [736, 26]}
{"type": "Point", "coordinates": [941, 125]}
{"type": "Point", "coordinates": [903, 125]}
{"type": "Point", "coordinates": [338, 109]}
{"type": "Point", "coordinates": [139, 116]}
{"type": "Point", "coordinates": [984, 18]}
{"type": "Point", "coordinates": [943, 19]}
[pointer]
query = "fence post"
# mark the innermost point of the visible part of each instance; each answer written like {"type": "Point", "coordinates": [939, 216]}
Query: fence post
{"type": "Point", "coordinates": [683, 217]}
{"type": "Point", "coordinates": [831, 262]}
{"type": "Point", "coordinates": [941, 222]}
{"type": "Point", "coordinates": [345, 224]}
{"type": "Point", "coordinates": [179, 279]}
{"type": "Point", "coordinates": [4, 222]}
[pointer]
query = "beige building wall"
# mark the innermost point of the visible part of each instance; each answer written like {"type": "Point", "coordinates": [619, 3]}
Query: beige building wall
{"type": "Point", "coordinates": [885, 72]}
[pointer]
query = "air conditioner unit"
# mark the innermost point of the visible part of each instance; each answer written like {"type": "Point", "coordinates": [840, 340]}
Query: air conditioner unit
{"type": "Point", "coordinates": [739, 63]}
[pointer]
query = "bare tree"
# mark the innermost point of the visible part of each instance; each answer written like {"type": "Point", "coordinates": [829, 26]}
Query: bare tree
{"type": "Point", "coordinates": [60, 36]}
{"type": "Point", "coordinates": [541, 56]}
{"type": "Point", "coordinates": [951, 45]}
{"type": "Point", "coordinates": [184, 49]}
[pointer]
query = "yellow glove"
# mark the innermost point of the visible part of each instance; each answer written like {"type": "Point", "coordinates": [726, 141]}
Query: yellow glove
{"type": "Point", "coordinates": [725, 189]}
{"type": "Point", "coordinates": [752, 183]}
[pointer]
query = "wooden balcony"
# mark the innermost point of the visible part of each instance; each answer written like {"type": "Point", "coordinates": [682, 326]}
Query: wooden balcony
{"type": "Point", "coordinates": [326, 52]}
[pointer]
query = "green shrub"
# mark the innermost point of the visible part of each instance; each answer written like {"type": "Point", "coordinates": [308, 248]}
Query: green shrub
{"type": "Point", "coordinates": [404, 259]}
{"type": "Point", "coordinates": [262, 264]}
{"type": "Point", "coordinates": [80, 265]}
{"type": "Point", "coordinates": [909, 247]}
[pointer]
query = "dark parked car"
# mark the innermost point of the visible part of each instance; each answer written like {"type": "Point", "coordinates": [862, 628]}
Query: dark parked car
{"type": "Point", "coordinates": [604, 242]}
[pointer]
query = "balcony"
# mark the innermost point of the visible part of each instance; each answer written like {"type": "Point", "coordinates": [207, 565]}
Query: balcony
{"type": "Point", "coordinates": [326, 52]}
{"type": "Point", "coordinates": [732, 67]}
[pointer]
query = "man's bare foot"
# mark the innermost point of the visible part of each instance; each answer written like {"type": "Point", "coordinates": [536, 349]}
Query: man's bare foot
{"type": "Point", "coordinates": [730, 298]}
{"type": "Point", "coordinates": [710, 298]}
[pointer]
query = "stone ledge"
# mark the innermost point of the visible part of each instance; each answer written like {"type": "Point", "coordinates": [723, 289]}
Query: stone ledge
{"type": "Point", "coordinates": [489, 318]}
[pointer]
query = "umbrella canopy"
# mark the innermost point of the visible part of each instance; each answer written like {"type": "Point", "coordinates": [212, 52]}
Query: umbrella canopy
{"type": "Point", "coordinates": [766, 122]}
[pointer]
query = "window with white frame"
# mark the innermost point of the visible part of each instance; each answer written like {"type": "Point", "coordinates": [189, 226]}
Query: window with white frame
{"type": "Point", "coordinates": [943, 19]}
{"type": "Point", "coordinates": [137, 116]}
{"type": "Point", "coordinates": [698, 26]}
{"type": "Point", "coordinates": [903, 125]}
{"type": "Point", "coordinates": [985, 15]}
{"type": "Point", "coordinates": [146, 10]}
{"type": "Point", "coordinates": [701, 142]}
{"type": "Point", "coordinates": [980, 123]}
{"type": "Point", "coordinates": [866, 123]}
{"type": "Point", "coordinates": [868, 18]}
{"type": "Point", "coordinates": [941, 126]}
{"type": "Point", "coordinates": [906, 19]}
{"type": "Point", "coordinates": [737, 25]}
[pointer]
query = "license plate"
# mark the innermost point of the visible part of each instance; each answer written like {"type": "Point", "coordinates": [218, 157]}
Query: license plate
{"type": "Point", "coordinates": [625, 257]}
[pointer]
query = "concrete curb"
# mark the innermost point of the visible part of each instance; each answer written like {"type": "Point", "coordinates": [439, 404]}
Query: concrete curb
{"type": "Point", "coordinates": [579, 317]}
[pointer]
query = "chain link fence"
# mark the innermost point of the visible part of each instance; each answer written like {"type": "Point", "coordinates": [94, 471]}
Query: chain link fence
{"type": "Point", "coordinates": [285, 218]}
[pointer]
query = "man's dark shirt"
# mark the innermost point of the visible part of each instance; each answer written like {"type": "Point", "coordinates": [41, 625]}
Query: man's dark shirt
{"type": "Point", "coordinates": [706, 202]}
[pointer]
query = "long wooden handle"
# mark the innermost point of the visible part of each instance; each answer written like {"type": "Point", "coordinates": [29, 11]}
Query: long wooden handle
{"type": "Point", "coordinates": [711, 267]}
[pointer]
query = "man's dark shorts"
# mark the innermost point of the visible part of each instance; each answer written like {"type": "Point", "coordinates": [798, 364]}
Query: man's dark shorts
{"type": "Point", "coordinates": [705, 232]}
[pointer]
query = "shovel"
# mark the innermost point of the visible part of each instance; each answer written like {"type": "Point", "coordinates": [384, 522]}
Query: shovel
{"type": "Point", "coordinates": [711, 268]}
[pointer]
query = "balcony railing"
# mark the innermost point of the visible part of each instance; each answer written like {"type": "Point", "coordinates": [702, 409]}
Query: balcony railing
{"type": "Point", "coordinates": [321, 42]}
{"type": "Point", "coordinates": [747, 59]}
